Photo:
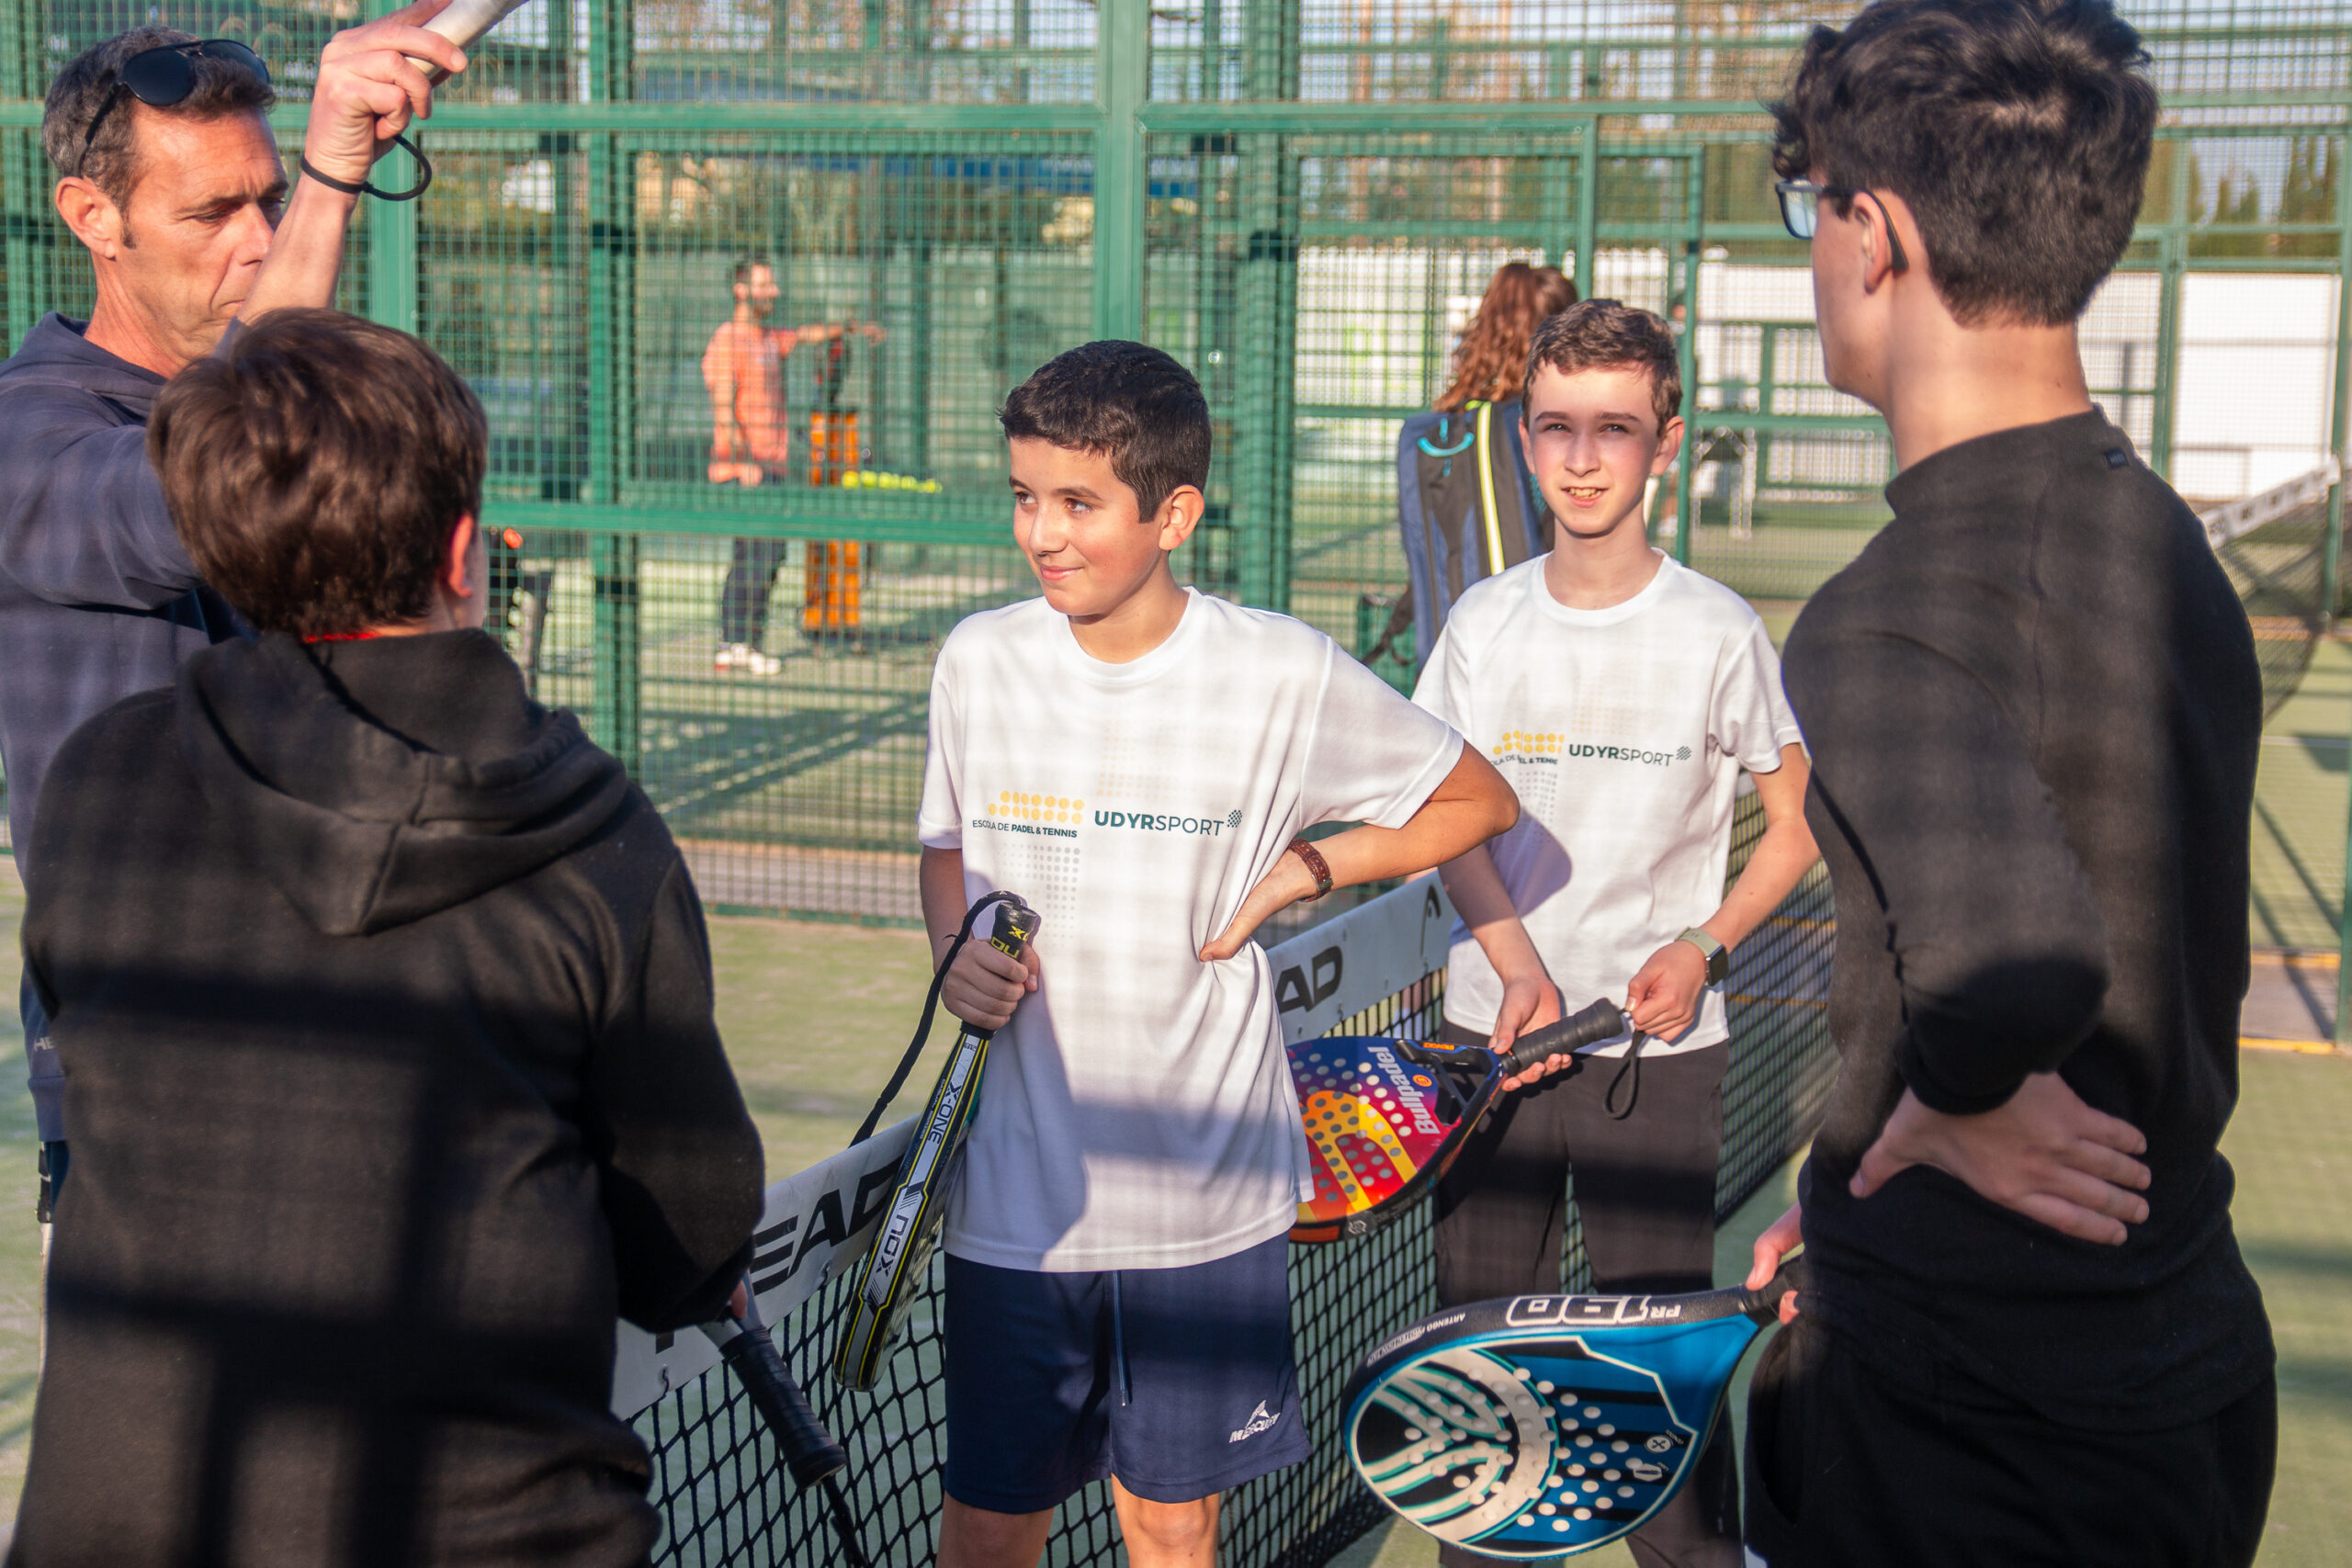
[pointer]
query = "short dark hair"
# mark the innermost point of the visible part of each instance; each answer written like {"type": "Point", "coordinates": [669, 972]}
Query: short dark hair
{"type": "Point", "coordinates": [2018, 131]}
{"type": "Point", "coordinates": [1130, 401]}
{"type": "Point", "coordinates": [746, 265]}
{"type": "Point", "coordinates": [86, 85]}
{"type": "Point", "coordinates": [314, 465]}
{"type": "Point", "coordinates": [1602, 334]}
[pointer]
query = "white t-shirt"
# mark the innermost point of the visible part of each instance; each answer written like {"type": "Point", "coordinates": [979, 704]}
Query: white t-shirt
{"type": "Point", "coordinates": [1137, 1112]}
{"type": "Point", "coordinates": [1624, 731]}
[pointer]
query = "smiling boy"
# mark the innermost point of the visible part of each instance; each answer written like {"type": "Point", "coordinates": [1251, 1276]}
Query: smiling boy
{"type": "Point", "coordinates": [1135, 759]}
{"type": "Point", "coordinates": [1622, 695]}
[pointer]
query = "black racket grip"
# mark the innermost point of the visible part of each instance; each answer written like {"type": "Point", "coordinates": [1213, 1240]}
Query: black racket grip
{"type": "Point", "coordinates": [1016, 927]}
{"type": "Point", "coordinates": [1595, 1023]}
{"type": "Point", "coordinates": [1764, 1305]}
{"type": "Point", "coordinates": [809, 1451]}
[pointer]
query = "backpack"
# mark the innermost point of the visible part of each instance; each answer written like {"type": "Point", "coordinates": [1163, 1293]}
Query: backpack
{"type": "Point", "coordinates": [1467, 509]}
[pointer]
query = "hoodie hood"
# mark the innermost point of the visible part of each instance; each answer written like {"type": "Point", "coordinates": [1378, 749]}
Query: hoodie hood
{"type": "Point", "coordinates": [376, 782]}
{"type": "Point", "coordinates": [55, 353]}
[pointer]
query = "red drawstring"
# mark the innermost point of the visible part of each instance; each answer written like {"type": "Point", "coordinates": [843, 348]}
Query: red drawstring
{"type": "Point", "coordinates": [343, 637]}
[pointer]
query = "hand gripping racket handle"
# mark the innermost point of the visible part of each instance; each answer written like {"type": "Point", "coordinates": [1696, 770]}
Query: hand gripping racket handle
{"type": "Point", "coordinates": [1574, 1032]}
{"type": "Point", "coordinates": [1016, 927]}
{"type": "Point", "coordinates": [809, 1451]}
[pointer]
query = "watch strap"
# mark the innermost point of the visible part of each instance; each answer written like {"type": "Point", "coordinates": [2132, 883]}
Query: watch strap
{"type": "Point", "coordinates": [1718, 956]}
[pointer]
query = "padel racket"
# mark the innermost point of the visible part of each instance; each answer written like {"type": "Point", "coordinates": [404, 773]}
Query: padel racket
{"type": "Point", "coordinates": [1386, 1118]}
{"type": "Point", "coordinates": [893, 1269]}
{"type": "Point", "coordinates": [1542, 1425]}
{"type": "Point", "coordinates": [465, 23]}
{"type": "Point", "coordinates": [807, 1450]}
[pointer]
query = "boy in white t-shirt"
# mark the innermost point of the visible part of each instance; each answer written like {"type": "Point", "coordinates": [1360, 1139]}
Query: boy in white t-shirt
{"type": "Point", "coordinates": [1621, 694]}
{"type": "Point", "coordinates": [1135, 759]}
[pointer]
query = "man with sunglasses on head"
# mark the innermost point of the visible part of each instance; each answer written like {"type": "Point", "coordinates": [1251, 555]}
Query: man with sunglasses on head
{"type": "Point", "coordinates": [2025, 1333]}
{"type": "Point", "coordinates": [169, 176]}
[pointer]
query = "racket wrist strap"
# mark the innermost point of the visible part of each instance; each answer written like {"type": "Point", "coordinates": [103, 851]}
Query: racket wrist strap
{"type": "Point", "coordinates": [362, 187]}
{"type": "Point", "coordinates": [923, 1026]}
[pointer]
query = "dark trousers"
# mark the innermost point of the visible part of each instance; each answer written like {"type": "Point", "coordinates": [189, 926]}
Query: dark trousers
{"type": "Point", "coordinates": [1848, 1469]}
{"type": "Point", "coordinates": [1645, 1202]}
{"type": "Point", "coordinates": [743, 602]}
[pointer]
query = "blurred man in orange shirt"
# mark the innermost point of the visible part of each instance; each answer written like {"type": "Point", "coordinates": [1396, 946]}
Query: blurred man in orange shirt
{"type": "Point", "coordinates": [743, 368]}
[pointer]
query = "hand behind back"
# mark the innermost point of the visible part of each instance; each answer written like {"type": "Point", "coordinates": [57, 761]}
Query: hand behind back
{"type": "Point", "coordinates": [2045, 1153]}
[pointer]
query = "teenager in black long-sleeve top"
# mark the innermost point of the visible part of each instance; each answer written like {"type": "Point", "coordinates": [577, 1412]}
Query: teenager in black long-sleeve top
{"type": "Point", "coordinates": [384, 1006]}
{"type": "Point", "coordinates": [2033, 707]}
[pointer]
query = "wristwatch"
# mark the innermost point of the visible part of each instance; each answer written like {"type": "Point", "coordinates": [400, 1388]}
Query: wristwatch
{"type": "Point", "coordinates": [1718, 956]}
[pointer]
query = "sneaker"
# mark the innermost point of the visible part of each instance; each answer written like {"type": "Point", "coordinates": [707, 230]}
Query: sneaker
{"type": "Point", "coordinates": [750, 661]}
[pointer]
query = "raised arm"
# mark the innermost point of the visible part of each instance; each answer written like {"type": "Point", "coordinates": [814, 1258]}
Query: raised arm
{"type": "Point", "coordinates": [368, 93]}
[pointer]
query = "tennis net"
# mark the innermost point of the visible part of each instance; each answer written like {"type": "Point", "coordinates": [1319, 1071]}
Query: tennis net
{"type": "Point", "coordinates": [725, 1501]}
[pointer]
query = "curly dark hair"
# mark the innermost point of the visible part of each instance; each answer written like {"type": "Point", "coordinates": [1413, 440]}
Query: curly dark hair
{"type": "Point", "coordinates": [86, 85]}
{"type": "Point", "coordinates": [1128, 400]}
{"type": "Point", "coordinates": [315, 467]}
{"type": "Point", "coordinates": [2018, 131]}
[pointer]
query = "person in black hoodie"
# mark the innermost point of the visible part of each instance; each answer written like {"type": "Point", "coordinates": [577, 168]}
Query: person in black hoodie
{"type": "Point", "coordinates": [384, 1004]}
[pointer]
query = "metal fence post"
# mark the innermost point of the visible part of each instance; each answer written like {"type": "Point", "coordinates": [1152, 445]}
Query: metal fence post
{"type": "Point", "coordinates": [1267, 311]}
{"type": "Point", "coordinates": [614, 705]}
{"type": "Point", "coordinates": [391, 229]}
{"type": "Point", "coordinates": [1123, 50]}
{"type": "Point", "coordinates": [1587, 201]}
{"type": "Point", "coordinates": [2340, 441]}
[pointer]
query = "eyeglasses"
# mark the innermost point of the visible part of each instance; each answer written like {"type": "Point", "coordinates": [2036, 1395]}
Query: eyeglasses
{"type": "Point", "coordinates": [166, 75]}
{"type": "Point", "coordinates": [1801, 212]}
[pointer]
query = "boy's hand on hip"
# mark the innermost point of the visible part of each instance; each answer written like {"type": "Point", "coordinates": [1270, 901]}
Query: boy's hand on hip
{"type": "Point", "coordinates": [983, 986]}
{"type": "Point", "coordinates": [1663, 1000]}
{"type": "Point", "coordinates": [1778, 1239]}
{"type": "Point", "coordinates": [1289, 882]}
{"type": "Point", "coordinates": [1529, 1001]}
{"type": "Point", "coordinates": [2045, 1153]}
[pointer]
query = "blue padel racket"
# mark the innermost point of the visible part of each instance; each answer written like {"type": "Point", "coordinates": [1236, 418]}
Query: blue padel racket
{"type": "Point", "coordinates": [1386, 1118]}
{"type": "Point", "coordinates": [1542, 1425]}
{"type": "Point", "coordinates": [892, 1271]}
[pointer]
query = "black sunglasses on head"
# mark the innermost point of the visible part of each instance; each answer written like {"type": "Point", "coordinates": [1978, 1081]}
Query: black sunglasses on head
{"type": "Point", "coordinates": [166, 76]}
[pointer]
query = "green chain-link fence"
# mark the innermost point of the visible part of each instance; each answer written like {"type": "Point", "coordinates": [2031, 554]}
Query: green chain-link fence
{"type": "Point", "coordinates": [1303, 199]}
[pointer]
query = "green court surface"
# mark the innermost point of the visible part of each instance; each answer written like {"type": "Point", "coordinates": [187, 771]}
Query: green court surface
{"type": "Point", "coordinates": [815, 1015]}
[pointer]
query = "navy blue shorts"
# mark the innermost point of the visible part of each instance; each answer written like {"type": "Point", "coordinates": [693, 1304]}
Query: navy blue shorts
{"type": "Point", "coordinates": [1177, 1381]}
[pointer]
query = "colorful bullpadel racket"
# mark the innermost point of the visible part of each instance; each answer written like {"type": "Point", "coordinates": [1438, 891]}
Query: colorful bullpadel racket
{"type": "Point", "coordinates": [1385, 1117]}
{"type": "Point", "coordinates": [1543, 1426]}
{"type": "Point", "coordinates": [892, 1272]}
